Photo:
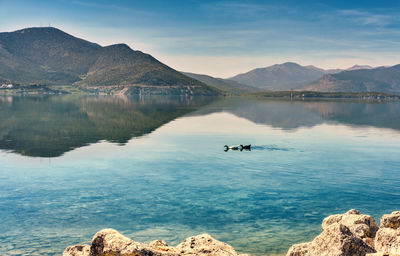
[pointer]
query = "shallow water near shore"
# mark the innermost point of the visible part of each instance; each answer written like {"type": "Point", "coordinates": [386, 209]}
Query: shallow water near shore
{"type": "Point", "coordinates": [156, 169]}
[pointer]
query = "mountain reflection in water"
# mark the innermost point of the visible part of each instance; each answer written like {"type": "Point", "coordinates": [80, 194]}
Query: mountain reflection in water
{"type": "Point", "coordinates": [49, 126]}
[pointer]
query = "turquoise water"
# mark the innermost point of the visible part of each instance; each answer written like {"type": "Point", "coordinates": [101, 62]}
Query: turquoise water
{"type": "Point", "coordinates": [156, 169]}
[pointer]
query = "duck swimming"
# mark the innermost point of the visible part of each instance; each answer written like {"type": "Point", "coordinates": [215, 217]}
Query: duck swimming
{"type": "Point", "coordinates": [245, 147]}
{"type": "Point", "coordinates": [238, 147]}
{"type": "Point", "coordinates": [226, 147]}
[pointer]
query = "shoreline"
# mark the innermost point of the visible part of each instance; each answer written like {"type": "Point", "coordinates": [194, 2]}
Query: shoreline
{"type": "Point", "coordinates": [174, 91]}
{"type": "Point", "coordinates": [348, 234]}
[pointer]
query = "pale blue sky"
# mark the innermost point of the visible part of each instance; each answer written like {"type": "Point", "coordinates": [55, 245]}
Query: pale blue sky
{"type": "Point", "coordinates": [223, 38]}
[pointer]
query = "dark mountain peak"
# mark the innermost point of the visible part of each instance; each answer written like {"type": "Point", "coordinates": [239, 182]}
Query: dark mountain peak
{"type": "Point", "coordinates": [282, 66]}
{"type": "Point", "coordinates": [43, 33]}
{"type": "Point", "coordinates": [45, 55]}
{"type": "Point", "coordinates": [275, 67]}
{"type": "Point", "coordinates": [117, 54]}
{"type": "Point", "coordinates": [39, 30]}
{"type": "Point", "coordinates": [120, 46]}
{"type": "Point", "coordinates": [290, 64]}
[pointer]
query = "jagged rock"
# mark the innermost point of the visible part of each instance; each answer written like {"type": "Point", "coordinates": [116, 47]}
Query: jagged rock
{"type": "Point", "coordinates": [109, 242]}
{"type": "Point", "coordinates": [203, 245]}
{"type": "Point", "coordinates": [391, 220]}
{"type": "Point", "coordinates": [361, 225]}
{"type": "Point", "coordinates": [335, 240]}
{"type": "Point", "coordinates": [77, 250]}
{"type": "Point", "coordinates": [387, 241]}
{"type": "Point", "coordinates": [158, 243]}
{"type": "Point", "coordinates": [302, 249]}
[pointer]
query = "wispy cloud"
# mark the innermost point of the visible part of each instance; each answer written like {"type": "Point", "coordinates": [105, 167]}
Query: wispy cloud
{"type": "Point", "coordinates": [368, 18]}
{"type": "Point", "coordinates": [110, 7]}
{"type": "Point", "coordinates": [244, 11]}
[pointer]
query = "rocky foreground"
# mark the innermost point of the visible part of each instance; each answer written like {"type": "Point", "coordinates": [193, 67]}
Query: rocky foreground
{"type": "Point", "coordinates": [348, 234]}
{"type": "Point", "coordinates": [108, 242]}
{"type": "Point", "coordinates": [354, 234]}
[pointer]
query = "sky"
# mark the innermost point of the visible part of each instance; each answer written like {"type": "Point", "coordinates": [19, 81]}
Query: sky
{"type": "Point", "coordinates": [227, 37]}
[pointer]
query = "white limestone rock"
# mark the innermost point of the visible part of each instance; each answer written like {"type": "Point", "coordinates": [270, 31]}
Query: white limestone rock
{"type": "Point", "coordinates": [77, 250]}
{"type": "Point", "coordinates": [391, 220]}
{"type": "Point", "coordinates": [109, 242]}
{"type": "Point", "coordinates": [335, 240]}
{"type": "Point", "coordinates": [361, 225]}
{"type": "Point", "coordinates": [387, 241]}
{"type": "Point", "coordinates": [205, 245]}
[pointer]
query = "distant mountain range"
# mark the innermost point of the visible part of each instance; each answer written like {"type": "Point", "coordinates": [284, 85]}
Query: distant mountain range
{"type": "Point", "coordinates": [292, 76]}
{"type": "Point", "coordinates": [49, 56]}
{"type": "Point", "coordinates": [358, 67]}
{"type": "Point", "coordinates": [381, 79]}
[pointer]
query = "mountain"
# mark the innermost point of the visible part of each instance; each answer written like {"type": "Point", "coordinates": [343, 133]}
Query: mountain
{"type": "Point", "coordinates": [325, 71]}
{"type": "Point", "coordinates": [382, 79]}
{"type": "Point", "coordinates": [280, 77]}
{"type": "Point", "coordinates": [226, 85]}
{"type": "Point", "coordinates": [49, 56]}
{"type": "Point", "coordinates": [357, 67]}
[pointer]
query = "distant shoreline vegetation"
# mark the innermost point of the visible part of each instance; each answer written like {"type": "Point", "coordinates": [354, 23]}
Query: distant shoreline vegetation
{"type": "Point", "coordinates": [19, 89]}
{"type": "Point", "coordinates": [139, 90]}
{"type": "Point", "coordinates": [326, 95]}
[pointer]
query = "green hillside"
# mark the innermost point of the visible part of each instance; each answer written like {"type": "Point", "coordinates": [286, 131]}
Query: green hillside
{"type": "Point", "coordinates": [49, 56]}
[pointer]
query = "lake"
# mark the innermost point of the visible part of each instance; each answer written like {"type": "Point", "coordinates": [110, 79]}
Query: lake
{"type": "Point", "coordinates": [155, 168]}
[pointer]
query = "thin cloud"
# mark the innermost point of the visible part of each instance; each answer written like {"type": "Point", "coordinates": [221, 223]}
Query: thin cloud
{"type": "Point", "coordinates": [246, 11]}
{"type": "Point", "coordinates": [367, 18]}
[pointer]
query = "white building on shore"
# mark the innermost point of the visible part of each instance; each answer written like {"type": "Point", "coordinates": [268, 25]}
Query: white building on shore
{"type": "Point", "coordinates": [6, 86]}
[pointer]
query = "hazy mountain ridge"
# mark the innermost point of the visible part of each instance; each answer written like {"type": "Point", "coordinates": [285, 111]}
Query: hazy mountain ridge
{"type": "Point", "coordinates": [227, 85]}
{"type": "Point", "coordinates": [292, 76]}
{"type": "Point", "coordinates": [381, 79]}
{"type": "Point", "coordinates": [358, 67]}
{"type": "Point", "coordinates": [49, 56]}
{"type": "Point", "coordinates": [280, 77]}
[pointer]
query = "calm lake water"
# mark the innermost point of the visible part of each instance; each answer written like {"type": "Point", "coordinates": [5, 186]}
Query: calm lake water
{"type": "Point", "coordinates": [155, 169]}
